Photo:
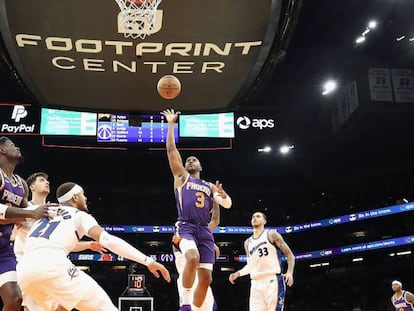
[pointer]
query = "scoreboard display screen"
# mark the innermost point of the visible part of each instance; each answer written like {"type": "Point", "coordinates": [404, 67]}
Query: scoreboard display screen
{"type": "Point", "coordinates": [212, 125]}
{"type": "Point", "coordinates": [66, 122]}
{"type": "Point", "coordinates": [130, 128]}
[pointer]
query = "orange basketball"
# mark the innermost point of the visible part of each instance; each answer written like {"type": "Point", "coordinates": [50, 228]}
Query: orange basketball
{"type": "Point", "coordinates": [169, 87]}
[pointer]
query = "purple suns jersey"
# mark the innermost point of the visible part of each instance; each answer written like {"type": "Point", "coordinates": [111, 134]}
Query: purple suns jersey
{"type": "Point", "coordinates": [11, 194]}
{"type": "Point", "coordinates": [194, 201]}
{"type": "Point", "coordinates": [401, 303]}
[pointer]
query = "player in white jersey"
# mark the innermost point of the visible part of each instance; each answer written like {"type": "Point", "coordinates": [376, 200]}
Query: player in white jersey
{"type": "Point", "coordinates": [39, 188]}
{"type": "Point", "coordinates": [47, 275]}
{"type": "Point", "coordinates": [267, 290]}
{"type": "Point", "coordinates": [209, 303]}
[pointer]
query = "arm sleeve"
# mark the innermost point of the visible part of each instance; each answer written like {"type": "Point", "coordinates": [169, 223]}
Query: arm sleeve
{"type": "Point", "coordinates": [226, 203]}
{"type": "Point", "coordinates": [124, 249]}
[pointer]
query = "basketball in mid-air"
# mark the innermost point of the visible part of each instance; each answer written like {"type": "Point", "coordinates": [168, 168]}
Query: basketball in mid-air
{"type": "Point", "coordinates": [169, 87]}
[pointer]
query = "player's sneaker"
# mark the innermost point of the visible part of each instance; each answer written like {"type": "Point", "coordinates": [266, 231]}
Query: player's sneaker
{"type": "Point", "coordinates": [185, 308]}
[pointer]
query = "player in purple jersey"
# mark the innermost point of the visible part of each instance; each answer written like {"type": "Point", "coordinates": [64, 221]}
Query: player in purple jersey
{"type": "Point", "coordinates": [194, 198]}
{"type": "Point", "coordinates": [13, 196]}
{"type": "Point", "coordinates": [402, 300]}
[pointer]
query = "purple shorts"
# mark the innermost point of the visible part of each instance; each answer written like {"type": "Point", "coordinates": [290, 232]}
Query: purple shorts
{"type": "Point", "coordinates": [202, 236]}
{"type": "Point", "coordinates": [7, 259]}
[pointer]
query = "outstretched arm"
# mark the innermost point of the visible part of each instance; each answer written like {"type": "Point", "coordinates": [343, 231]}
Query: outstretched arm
{"type": "Point", "coordinates": [92, 245]}
{"type": "Point", "coordinates": [15, 214]}
{"type": "Point", "coordinates": [174, 157]}
{"type": "Point", "coordinates": [280, 243]}
{"type": "Point", "coordinates": [124, 249]}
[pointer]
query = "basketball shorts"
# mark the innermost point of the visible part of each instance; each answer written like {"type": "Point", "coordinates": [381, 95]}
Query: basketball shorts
{"type": "Point", "coordinates": [267, 294]}
{"type": "Point", "coordinates": [49, 277]}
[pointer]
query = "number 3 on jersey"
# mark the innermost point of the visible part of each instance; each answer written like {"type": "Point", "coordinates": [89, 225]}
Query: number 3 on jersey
{"type": "Point", "coordinates": [200, 199]}
{"type": "Point", "coordinates": [44, 229]}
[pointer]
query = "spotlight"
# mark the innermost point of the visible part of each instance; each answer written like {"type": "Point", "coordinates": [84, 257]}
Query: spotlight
{"type": "Point", "coordinates": [372, 24]}
{"type": "Point", "coordinates": [329, 87]}
{"type": "Point", "coordinates": [266, 149]}
{"type": "Point", "coordinates": [286, 149]}
{"type": "Point", "coordinates": [360, 40]}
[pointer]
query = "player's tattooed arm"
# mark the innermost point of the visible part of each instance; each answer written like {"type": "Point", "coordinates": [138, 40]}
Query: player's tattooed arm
{"type": "Point", "coordinates": [280, 243]}
{"type": "Point", "coordinates": [410, 297]}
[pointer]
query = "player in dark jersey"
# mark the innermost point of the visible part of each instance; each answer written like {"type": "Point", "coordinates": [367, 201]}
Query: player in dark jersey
{"type": "Point", "coordinates": [402, 300]}
{"type": "Point", "coordinates": [13, 196]}
{"type": "Point", "coordinates": [194, 199]}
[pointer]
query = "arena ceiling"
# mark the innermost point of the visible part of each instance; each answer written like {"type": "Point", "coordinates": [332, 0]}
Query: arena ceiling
{"type": "Point", "coordinates": [76, 53]}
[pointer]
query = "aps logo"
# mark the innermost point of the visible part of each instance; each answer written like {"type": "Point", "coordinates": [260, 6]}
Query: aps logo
{"type": "Point", "coordinates": [245, 122]}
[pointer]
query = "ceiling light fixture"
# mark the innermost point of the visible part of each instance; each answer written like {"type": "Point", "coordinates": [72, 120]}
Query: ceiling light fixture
{"type": "Point", "coordinates": [286, 149]}
{"type": "Point", "coordinates": [266, 149]}
{"type": "Point", "coordinates": [329, 87]}
{"type": "Point", "coordinates": [372, 24]}
{"type": "Point", "coordinates": [360, 40]}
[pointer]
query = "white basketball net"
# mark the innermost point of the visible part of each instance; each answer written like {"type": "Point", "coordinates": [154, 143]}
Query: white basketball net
{"type": "Point", "coordinates": [137, 20]}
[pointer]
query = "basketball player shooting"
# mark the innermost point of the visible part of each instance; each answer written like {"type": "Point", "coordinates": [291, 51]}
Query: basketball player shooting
{"type": "Point", "coordinates": [194, 199]}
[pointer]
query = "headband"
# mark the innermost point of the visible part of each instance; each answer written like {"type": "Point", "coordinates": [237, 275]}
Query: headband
{"type": "Point", "coordinates": [396, 282]}
{"type": "Point", "coordinates": [68, 195]}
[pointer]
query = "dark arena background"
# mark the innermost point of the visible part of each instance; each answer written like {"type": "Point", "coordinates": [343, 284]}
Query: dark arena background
{"type": "Point", "coordinates": [302, 109]}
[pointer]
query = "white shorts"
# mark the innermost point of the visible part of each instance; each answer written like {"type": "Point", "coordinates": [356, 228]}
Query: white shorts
{"type": "Point", "coordinates": [6, 277]}
{"type": "Point", "coordinates": [49, 277]}
{"type": "Point", "coordinates": [31, 304]}
{"type": "Point", "coordinates": [186, 245]}
{"type": "Point", "coordinates": [208, 303]}
{"type": "Point", "coordinates": [267, 294]}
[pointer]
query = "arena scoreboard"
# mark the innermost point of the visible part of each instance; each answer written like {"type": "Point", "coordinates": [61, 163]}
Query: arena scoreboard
{"type": "Point", "coordinates": [129, 128]}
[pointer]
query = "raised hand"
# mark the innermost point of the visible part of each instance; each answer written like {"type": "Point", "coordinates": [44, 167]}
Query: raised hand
{"type": "Point", "coordinates": [170, 115]}
{"type": "Point", "coordinates": [220, 191]}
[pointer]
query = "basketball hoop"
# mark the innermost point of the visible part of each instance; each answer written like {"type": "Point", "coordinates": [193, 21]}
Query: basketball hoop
{"type": "Point", "coordinates": [138, 18]}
